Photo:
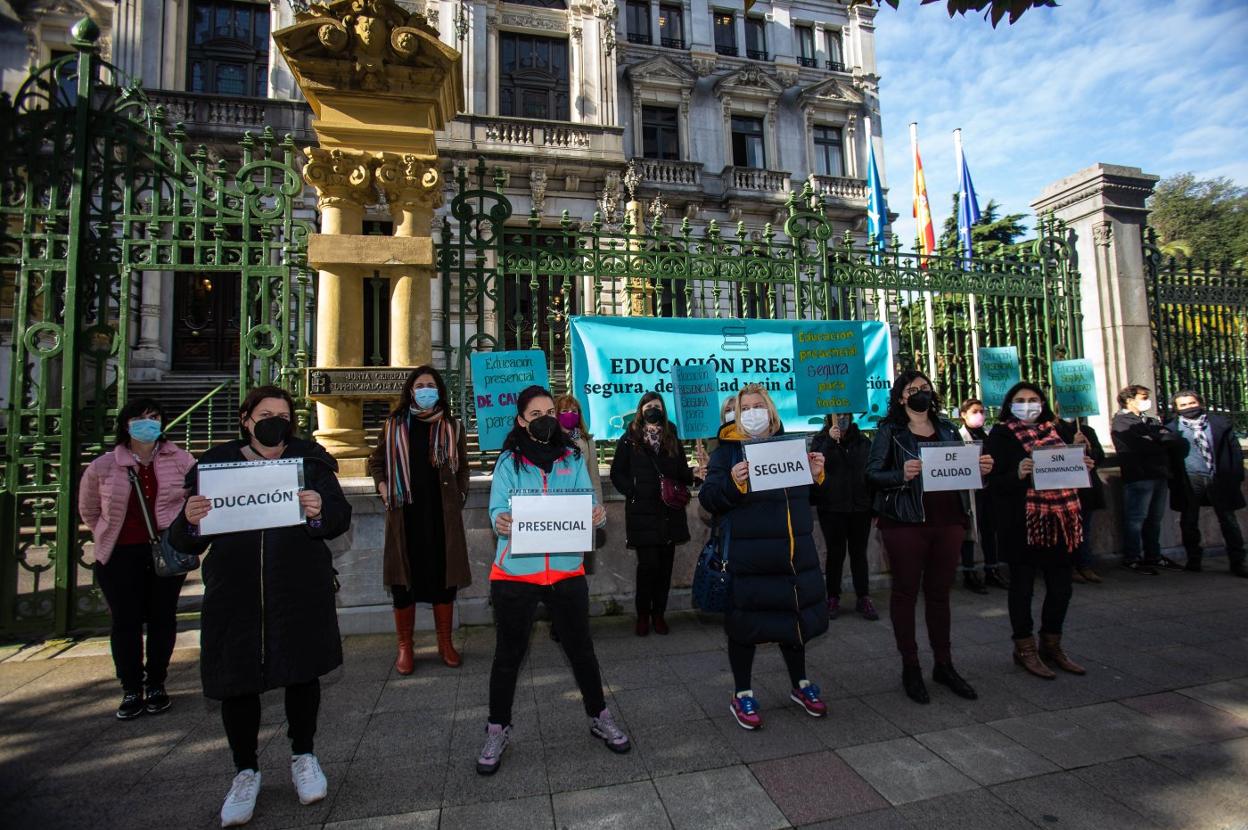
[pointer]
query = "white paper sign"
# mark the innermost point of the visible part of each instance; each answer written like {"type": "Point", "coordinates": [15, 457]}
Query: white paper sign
{"type": "Point", "coordinates": [251, 495]}
{"type": "Point", "coordinates": [776, 464]}
{"type": "Point", "coordinates": [552, 523]}
{"type": "Point", "coordinates": [950, 467]}
{"type": "Point", "coordinates": [1059, 468]}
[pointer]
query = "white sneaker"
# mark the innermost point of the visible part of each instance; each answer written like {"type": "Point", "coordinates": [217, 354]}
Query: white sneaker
{"type": "Point", "coordinates": [240, 803]}
{"type": "Point", "coordinates": [310, 782]}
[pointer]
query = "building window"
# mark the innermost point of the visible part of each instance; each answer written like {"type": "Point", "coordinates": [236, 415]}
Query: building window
{"type": "Point", "coordinates": [638, 22]}
{"type": "Point", "coordinates": [836, 59]}
{"type": "Point", "coordinates": [672, 27]}
{"type": "Point", "coordinates": [541, 4]}
{"type": "Point", "coordinates": [747, 143]}
{"type": "Point", "coordinates": [228, 52]}
{"type": "Point", "coordinates": [725, 33]}
{"type": "Point", "coordinates": [806, 46]}
{"type": "Point", "coordinates": [829, 152]}
{"type": "Point", "coordinates": [534, 82]}
{"type": "Point", "coordinates": [756, 39]}
{"type": "Point", "coordinates": [660, 138]}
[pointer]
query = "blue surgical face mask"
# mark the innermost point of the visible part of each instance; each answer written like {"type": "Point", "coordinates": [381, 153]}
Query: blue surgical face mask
{"type": "Point", "coordinates": [144, 430]}
{"type": "Point", "coordinates": [425, 396]}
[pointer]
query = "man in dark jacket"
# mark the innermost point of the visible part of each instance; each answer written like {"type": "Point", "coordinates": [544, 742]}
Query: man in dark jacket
{"type": "Point", "coordinates": [1145, 450]}
{"type": "Point", "coordinates": [1212, 473]}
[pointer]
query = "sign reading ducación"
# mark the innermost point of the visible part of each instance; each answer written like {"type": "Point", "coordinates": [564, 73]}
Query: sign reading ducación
{"type": "Point", "coordinates": [250, 495]}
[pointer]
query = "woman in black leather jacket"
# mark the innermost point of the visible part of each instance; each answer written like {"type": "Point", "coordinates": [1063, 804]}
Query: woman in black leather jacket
{"type": "Point", "coordinates": [922, 532]}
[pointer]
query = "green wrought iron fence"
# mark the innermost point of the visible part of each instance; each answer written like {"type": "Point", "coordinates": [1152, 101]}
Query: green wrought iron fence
{"type": "Point", "coordinates": [1199, 316]}
{"type": "Point", "coordinates": [512, 283]}
{"type": "Point", "coordinates": [96, 192]}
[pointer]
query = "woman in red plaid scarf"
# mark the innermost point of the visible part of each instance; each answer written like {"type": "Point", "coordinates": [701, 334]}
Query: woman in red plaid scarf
{"type": "Point", "coordinates": [1038, 530]}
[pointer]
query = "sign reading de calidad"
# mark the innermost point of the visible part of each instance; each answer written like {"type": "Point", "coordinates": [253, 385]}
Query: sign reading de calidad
{"type": "Point", "coordinates": [552, 522]}
{"type": "Point", "coordinates": [250, 495]}
{"type": "Point", "coordinates": [777, 463]}
{"type": "Point", "coordinates": [951, 465]}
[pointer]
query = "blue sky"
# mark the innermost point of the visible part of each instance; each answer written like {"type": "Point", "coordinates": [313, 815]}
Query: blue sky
{"type": "Point", "coordinates": [1156, 84]}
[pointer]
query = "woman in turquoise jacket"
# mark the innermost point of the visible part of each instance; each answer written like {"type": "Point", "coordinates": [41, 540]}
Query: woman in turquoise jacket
{"type": "Point", "coordinates": [538, 456]}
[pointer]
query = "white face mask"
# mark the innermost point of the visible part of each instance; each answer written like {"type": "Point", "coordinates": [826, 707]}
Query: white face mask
{"type": "Point", "coordinates": [755, 421]}
{"type": "Point", "coordinates": [1027, 412]}
{"type": "Point", "coordinates": [1144, 405]}
{"type": "Point", "coordinates": [730, 416]}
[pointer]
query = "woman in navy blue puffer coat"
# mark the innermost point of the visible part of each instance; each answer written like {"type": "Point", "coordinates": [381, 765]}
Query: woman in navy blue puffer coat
{"type": "Point", "coordinates": [778, 592]}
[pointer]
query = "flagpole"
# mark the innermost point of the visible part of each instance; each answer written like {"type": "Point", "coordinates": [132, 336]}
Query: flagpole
{"type": "Point", "coordinates": [928, 310]}
{"type": "Point", "coordinates": [973, 305]}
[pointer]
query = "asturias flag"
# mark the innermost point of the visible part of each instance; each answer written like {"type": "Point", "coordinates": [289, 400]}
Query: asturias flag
{"type": "Point", "coordinates": [877, 209]}
{"type": "Point", "coordinates": [968, 205]}
{"type": "Point", "coordinates": [922, 209]}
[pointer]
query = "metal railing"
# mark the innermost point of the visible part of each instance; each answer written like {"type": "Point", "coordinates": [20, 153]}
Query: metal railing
{"type": "Point", "coordinates": [758, 54]}
{"type": "Point", "coordinates": [206, 435]}
{"type": "Point", "coordinates": [672, 42]}
{"type": "Point", "coordinates": [809, 63]}
{"type": "Point", "coordinates": [724, 49]}
{"type": "Point", "coordinates": [836, 66]}
{"type": "Point", "coordinates": [639, 38]}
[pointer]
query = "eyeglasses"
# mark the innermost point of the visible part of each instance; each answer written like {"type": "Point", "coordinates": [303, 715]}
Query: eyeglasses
{"type": "Point", "coordinates": [910, 390]}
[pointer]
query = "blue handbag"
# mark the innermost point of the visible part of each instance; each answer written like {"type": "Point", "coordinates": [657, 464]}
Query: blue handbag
{"type": "Point", "coordinates": [712, 581]}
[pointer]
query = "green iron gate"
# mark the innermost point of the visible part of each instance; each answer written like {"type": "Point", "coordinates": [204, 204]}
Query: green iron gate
{"type": "Point", "coordinates": [512, 282]}
{"type": "Point", "coordinates": [95, 192]}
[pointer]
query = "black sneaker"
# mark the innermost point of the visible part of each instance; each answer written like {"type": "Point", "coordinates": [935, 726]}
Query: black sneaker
{"type": "Point", "coordinates": [944, 674]}
{"type": "Point", "coordinates": [1140, 568]}
{"type": "Point", "coordinates": [972, 583]}
{"type": "Point", "coordinates": [996, 579]}
{"type": "Point", "coordinates": [1163, 563]}
{"type": "Point", "coordinates": [912, 682]}
{"type": "Point", "coordinates": [157, 700]}
{"type": "Point", "coordinates": [131, 706]}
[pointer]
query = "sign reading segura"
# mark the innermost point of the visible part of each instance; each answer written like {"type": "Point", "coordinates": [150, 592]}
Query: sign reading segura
{"type": "Point", "coordinates": [251, 495]}
{"type": "Point", "coordinates": [951, 465]}
{"type": "Point", "coordinates": [552, 523]}
{"type": "Point", "coordinates": [778, 463]}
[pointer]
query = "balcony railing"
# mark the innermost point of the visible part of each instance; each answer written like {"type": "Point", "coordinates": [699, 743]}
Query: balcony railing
{"type": "Point", "coordinates": [672, 43]}
{"type": "Point", "coordinates": [836, 66]}
{"type": "Point", "coordinates": [841, 187]}
{"type": "Point", "coordinates": [638, 37]}
{"type": "Point", "coordinates": [670, 173]}
{"type": "Point", "coordinates": [723, 49]}
{"type": "Point", "coordinates": [755, 181]}
{"type": "Point", "coordinates": [504, 134]}
{"type": "Point", "coordinates": [809, 63]}
{"type": "Point", "coordinates": [757, 54]}
{"type": "Point", "coordinates": [207, 116]}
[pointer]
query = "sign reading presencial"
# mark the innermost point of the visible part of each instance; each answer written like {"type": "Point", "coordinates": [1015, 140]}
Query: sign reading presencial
{"type": "Point", "coordinates": [695, 392]}
{"type": "Point", "coordinates": [498, 378]}
{"type": "Point", "coordinates": [830, 369]}
{"type": "Point", "coordinates": [779, 463]}
{"type": "Point", "coordinates": [552, 523]}
{"type": "Point", "coordinates": [998, 371]}
{"type": "Point", "coordinates": [615, 360]}
{"type": "Point", "coordinates": [250, 495]}
{"type": "Point", "coordinates": [950, 465]}
{"type": "Point", "coordinates": [1074, 387]}
{"type": "Point", "coordinates": [1059, 468]}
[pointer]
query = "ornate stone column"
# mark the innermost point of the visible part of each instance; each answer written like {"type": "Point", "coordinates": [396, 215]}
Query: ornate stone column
{"type": "Point", "coordinates": [344, 185]}
{"type": "Point", "coordinates": [413, 190]}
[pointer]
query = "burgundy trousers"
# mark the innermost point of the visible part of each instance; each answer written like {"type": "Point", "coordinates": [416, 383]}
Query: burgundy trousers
{"type": "Point", "coordinates": [926, 557]}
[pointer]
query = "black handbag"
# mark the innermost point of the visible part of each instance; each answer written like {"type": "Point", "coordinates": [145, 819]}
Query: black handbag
{"type": "Point", "coordinates": [712, 581]}
{"type": "Point", "coordinates": [166, 559]}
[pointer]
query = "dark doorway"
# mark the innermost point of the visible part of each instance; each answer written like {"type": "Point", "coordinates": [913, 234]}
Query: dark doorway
{"type": "Point", "coordinates": [205, 322]}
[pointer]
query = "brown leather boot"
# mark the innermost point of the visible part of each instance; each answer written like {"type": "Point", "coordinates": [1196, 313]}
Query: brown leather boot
{"type": "Point", "coordinates": [442, 617]}
{"type": "Point", "coordinates": [1051, 650]}
{"type": "Point", "coordinates": [1025, 655]}
{"type": "Point", "coordinates": [404, 622]}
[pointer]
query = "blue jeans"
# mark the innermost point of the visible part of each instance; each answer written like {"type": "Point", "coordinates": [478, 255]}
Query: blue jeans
{"type": "Point", "coordinates": [1143, 506]}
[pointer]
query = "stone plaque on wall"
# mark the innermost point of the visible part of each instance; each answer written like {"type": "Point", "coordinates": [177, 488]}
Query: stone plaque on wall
{"type": "Point", "coordinates": [357, 382]}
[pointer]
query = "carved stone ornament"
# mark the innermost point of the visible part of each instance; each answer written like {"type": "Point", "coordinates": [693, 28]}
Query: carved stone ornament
{"type": "Point", "coordinates": [1103, 233]}
{"type": "Point", "coordinates": [704, 63]}
{"type": "Point", "coordinates": [341, 177]}
{"type": "Point", "coordinates": [609, 201]}
{"type": "Point", "coordinates": [408, 180]}
{"type": "Point", "coordinates": [832, 92]}
{"type": "Point", "coordinates": [750, 82]}
{"type": "Point", "coordinates": [537, 188]}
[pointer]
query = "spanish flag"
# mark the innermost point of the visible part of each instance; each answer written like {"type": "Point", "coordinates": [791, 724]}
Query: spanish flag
{"type": "Point", "coordinates": [922, 209]}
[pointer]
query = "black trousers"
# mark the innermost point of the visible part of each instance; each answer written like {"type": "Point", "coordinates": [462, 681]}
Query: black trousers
{"type": "Point", "coordinates": [241, 716]}
{"type": "Point", "coordinates": [137, 596]}
{"type": "Point", "coordinates": [741, 660]}
{"type": "Point", "coordinates": [1189, 524]}
{"type": "Point", "coordinates": [986, 530]}
{"type": "Point", "coordinates": [1057, 592]}
{"type": "Point", "coordinates": [515, 606]}
{"type": "Point", "coordinates": [654, 578]}
{"type": "Point", "coordinates": [846, 533]}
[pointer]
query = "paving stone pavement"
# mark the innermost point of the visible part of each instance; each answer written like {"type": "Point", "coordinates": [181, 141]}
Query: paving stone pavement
{"type": "Point", "coordinates": [1155, 736]}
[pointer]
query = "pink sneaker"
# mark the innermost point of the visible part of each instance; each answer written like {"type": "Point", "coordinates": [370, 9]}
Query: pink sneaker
{"type": "Point", "coordinates": [867, 609]}
{"type": "Point", "coordinates": [808, 698]}
{"type": "Point", "coordinates": [745, 710]}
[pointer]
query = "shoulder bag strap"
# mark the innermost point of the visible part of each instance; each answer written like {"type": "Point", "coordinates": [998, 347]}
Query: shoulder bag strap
{"type": "Point", "coordinates": [147, 515]}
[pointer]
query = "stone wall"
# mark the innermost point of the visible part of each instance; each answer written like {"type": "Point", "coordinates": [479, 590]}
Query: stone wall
{"type": "Point", "coordinates": [364, 606]}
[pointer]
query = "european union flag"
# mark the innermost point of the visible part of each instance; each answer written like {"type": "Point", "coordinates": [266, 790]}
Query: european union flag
{"type": "Point", "coordinates": [877, 210]}
{"type": "Point", "coordinates": [968, 209]}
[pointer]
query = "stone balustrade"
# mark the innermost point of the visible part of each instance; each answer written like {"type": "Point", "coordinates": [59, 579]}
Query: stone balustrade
{"type": "Point", "coordinates": [480, 133]}
{"type": "Point", "coordinates": [670, 173]}
{"type": "Point", "coordinates": [219, 116]}
{"type": "Point", "coordinates": [841, 187]}
{"type": "Point", "coordinates": [754, 181]}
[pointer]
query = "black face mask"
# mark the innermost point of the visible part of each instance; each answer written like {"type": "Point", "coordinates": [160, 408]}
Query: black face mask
{"type": "Point", "coordinates": [653, 415]}
{"type": "Point", "coordinates": [271, 431]}
{"type": "Point", "coordinates": [1192, 413]}
{"type": "Point", "coordinates": [544, 429]}
{"type": "Point", "coordinates": [919, 401]}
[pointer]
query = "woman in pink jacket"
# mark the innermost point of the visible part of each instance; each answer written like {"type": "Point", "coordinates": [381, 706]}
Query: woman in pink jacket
{"type": "Point", "coordinates": [109, 504]}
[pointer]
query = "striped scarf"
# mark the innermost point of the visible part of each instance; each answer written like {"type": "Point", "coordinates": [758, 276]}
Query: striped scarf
{"type": "Point", "coordinates": [1199, 427]}
{"type": "Point", "coordinates": [1053, 516]}
{"type": "Point", "coordinates": [443, 451]}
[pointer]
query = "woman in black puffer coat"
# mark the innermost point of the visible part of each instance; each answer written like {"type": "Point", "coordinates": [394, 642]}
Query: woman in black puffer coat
{"type": "Point", "coordinates": [648, 452]}
{"type": "Point", "coordinates": [778, 593]}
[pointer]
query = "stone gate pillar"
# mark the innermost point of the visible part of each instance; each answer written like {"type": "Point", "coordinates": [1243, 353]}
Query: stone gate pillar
{"type": "Point", "coordinates": [1103, 206]}
{"type": "Point", "coordinates": [413, 189]}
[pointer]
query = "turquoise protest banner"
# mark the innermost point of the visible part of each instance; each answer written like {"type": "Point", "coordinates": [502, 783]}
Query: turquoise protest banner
{"type": "Point", "coordinates": [615, 360]}
{"type": "Point", "coordinates": [1074, 388]}
{"type": "Point", "coordinates": [998, 371]}
{"type": "Point", "coordinates": [695, 392]}
{"type": "Point", "coordinates": [497, 380]}
{"type": "Point", "coordinates": [830, 368]}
